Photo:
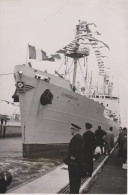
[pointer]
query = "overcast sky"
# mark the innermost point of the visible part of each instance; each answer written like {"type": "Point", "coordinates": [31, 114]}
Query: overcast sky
{"type": "Point", "coordinates": [50, 25]}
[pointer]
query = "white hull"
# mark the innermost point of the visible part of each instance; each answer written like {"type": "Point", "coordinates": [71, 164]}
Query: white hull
{"type": "Point", "coordinates": [50, 124]}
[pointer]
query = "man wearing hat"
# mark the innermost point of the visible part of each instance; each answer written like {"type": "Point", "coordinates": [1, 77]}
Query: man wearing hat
{"type": "Point", "coordinates": [89, 147]}
{"type": "Point", "coordinates": [75, 159]}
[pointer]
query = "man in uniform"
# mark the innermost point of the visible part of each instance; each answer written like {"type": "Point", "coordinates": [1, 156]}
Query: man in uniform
{"type": "Point", "coordinates": [75, 159]}
{"type": "Point", "coordinates": [89, 147]}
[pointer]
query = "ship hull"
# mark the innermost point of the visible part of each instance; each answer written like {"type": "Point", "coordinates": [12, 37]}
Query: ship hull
{"type": "Point", "coordinates": [46, 128]}
{"type": "Point", "coordinates": [45, 150]}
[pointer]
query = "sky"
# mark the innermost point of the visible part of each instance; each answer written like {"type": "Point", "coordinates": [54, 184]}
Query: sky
{"type": "Point", "coordinates": [50, 25]}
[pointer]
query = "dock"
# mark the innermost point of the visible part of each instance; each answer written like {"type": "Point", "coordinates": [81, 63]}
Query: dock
{"type": "Point", "coordinates": [112, 179]}
{"type": "Point", "coordinates": [57, 181]}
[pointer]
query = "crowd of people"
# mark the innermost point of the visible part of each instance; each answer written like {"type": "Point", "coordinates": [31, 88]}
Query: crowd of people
{"type": "Point", "coordinates": [81, 151]}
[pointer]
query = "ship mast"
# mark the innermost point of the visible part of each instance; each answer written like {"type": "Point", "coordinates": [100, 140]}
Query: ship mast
{"type": "Point", "coordinates": [76, 50]}
{"type": "Point", "coordinates": [75, 58]}
{"type": "Point", "coordinates": [74, 74]}
{"type": "Point", "coordinates": [78, 54]}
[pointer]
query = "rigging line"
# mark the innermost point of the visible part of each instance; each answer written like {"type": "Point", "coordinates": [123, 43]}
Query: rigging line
{"type": "Point", "coordinates": [69, 69]}
{"type": "Point", "coordinates": [70, 66]}
{"type": "Point", "coordinates": [6, 74]}
{"type": "Point", "coordinates": [67, 73]}
{"type": "Point", "coordinates": [61, 65]}
{"type": "Point", "coordinates": [82, 72]}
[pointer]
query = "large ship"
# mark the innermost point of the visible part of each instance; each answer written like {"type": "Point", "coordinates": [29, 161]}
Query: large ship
{"type": "Point", "coordinates": [50, 103]}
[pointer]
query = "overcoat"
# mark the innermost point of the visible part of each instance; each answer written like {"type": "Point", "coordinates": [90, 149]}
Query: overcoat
{"type": "Point", "coordinates": [109, 140]}
{"type": "Point", "coordinates": [74, 161]}
{"type": "Point", "coordinates": [99, 133]}
{"type": "Point", "coordinates": [89, 147]}
{"type": "Point", "coordinates": [75, 155]}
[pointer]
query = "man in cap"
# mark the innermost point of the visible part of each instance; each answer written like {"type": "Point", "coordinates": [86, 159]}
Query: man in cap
{"type": "Point", "coordinates": [75, 159]}
{"type": "Point", "coordinates": [89, 147]}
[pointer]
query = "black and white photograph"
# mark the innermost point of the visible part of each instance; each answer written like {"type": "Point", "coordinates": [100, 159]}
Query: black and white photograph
{"type": "Point", "coordinates": [63, 96]}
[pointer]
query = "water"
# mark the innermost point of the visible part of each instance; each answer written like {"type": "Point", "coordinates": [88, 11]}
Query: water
{"type": "Point", "coordinates": [22, 169]}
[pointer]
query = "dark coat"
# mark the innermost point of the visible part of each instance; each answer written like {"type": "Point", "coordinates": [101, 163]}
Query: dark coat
{"type": "Point", "coordinates": [3, 186]}
{"type": "Point", "coordinates": [75, 156]}
{"type": "Point", "coordinates": [74, 161]}
{"type": "Point", "coordinates": [99, 133]}
{"type": "Point", "coordinates": [89, 147]}
{"type": "Point", "coordinates": [89, 143]}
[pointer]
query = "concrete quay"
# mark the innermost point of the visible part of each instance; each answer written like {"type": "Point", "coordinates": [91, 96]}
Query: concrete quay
{"type": "Point", "coordinates": [112, 180]}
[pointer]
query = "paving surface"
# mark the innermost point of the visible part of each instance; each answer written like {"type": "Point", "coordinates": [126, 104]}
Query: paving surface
{"type": "Point", "coordinates": [112, 179]}
{"type": "Point", "coordinates": [49, 183]}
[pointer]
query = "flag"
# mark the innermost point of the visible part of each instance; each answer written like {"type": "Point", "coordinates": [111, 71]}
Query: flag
{"type": "Point", "coordinates": [56, 56]}
{"type": "Point", "coordinates": [39, 54]}
{"type": "Point", "coordinates": [52, 59]}
{"type": "Point", "coordinates": [32, 52]}
{"type": "Point", "coordinates": [36, 53]}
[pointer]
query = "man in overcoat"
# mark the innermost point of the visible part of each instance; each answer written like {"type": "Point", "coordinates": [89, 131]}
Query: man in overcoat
{"type": "Point", "coordinates": [109, 141]}
{"type": "Point", "coordinates": [99, 134]}
{"type": "Point", "coordinates": [121, 140]}
{"type": "Point", "coordinates": [75, 159]}
{"type": "Point", "coordinates": [89, 147]}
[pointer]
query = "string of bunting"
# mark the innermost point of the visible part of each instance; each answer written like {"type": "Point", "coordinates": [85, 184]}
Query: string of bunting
{"type": "Point", "coordinates": [85, 33]}
{"type": "Point", "coordinates": [97, 45]}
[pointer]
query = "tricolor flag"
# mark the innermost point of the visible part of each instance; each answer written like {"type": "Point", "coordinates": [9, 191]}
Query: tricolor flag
{"type": "Point", "coordinates": [57, 56]}
{"type": "Point", "coordinates": [39, 54]}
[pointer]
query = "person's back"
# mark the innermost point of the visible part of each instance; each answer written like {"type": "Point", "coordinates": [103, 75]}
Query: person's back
{"type": "Point", "coordinates": [89, 147]}
{"type": "Point", "coordinates": [109, 140]}
{"type": "Point", "coordinates": [99, 133]}
{"type": "Point", "coordinates": [89, 141]}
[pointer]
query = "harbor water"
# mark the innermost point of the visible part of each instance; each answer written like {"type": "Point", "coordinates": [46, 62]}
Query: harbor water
{"type": "Point", "coordinates": [22, 169]}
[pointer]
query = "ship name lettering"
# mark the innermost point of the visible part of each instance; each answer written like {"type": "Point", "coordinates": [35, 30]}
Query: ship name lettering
{"type": "Point", "coordinates": [69, 96]}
